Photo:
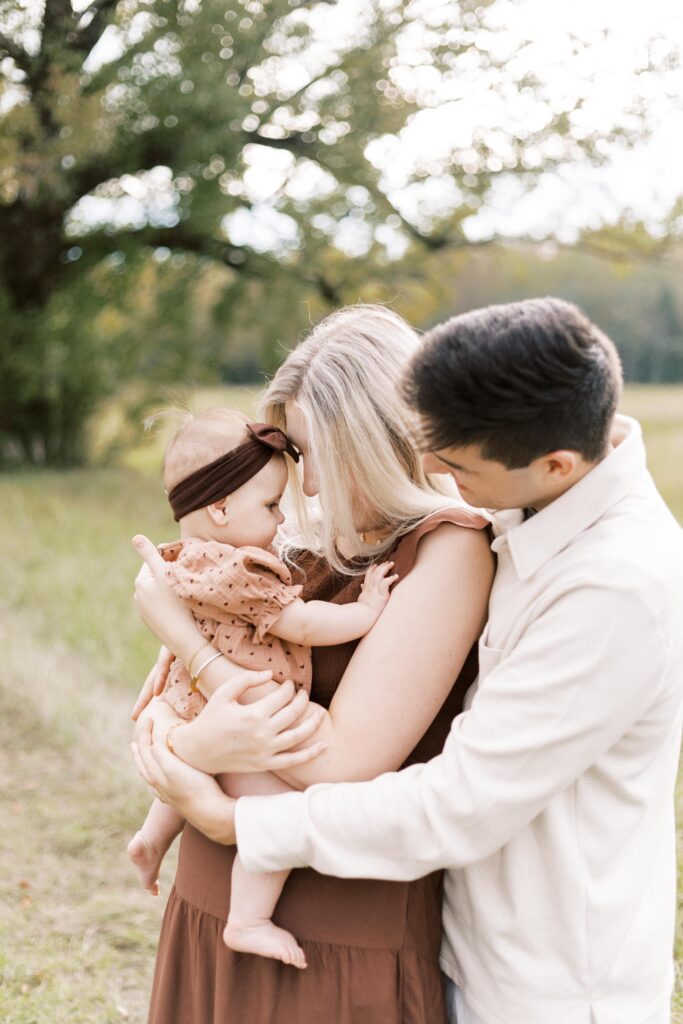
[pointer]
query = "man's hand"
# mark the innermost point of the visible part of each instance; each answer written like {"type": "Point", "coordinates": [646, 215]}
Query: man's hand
{"type": "Point", "coordinates": [196, 796]}
{"type": "Point", "coordinates": [231, 737]}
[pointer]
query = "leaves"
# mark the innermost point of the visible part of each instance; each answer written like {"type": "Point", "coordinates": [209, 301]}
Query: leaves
{"type": "Point", "coordinates": [149, 147]}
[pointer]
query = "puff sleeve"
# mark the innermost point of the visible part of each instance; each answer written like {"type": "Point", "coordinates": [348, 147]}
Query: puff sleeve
{"type": "Point", "coordinates": [222, 582]}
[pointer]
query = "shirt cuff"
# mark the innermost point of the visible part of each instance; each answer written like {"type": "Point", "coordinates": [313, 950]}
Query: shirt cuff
{"type": "Point", "coordinates": [271, 831]}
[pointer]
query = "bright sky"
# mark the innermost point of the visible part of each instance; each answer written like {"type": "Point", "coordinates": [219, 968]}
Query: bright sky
{"type": "Point", "coordinates": [629, 57]}
{"type": "Point", "coordinates": [617, 65]}
{"type": "Point", "coordinates": [647, 178]}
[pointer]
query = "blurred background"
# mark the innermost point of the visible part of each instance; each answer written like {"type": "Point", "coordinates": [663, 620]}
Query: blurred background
{"type": "Point", "coordinates": [184, 188]}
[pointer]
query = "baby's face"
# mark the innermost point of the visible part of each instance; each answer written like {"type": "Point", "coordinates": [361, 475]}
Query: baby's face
{"type": "Point", "coordinates": [254, 509]}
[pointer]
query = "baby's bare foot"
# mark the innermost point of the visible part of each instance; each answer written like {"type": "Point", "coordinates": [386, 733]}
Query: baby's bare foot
{"type": "Point", "coordinates": [265, 939]}
{"type": "Point", "coordinates": [147, 860]}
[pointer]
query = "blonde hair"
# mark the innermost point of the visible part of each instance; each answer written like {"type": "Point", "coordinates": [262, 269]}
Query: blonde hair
{"type": "Point", "coordinates": [346, 377]}
{"type": "Point", "coordinates": [201, 439]}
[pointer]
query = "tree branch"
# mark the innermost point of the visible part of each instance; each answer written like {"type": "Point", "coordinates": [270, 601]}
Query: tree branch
{"type": "Point", "coordinates": [294, 142]}
{"type": "Point", "coordinates": [329, 291]}
{"type": "Point", "coordinates": [93, 22]}
{"type": "Point", "coordinates": [339, 66]}
{"type": "Point", "coordinates": [95, 8]}
{"type": "Point", "coordinates": [16, 52]}
{"type": "Point", "coordinates": [431, 242]}
{"type": "Point", "coordinates": [180, 237]}
{"type": "Point", "coordinates": [57, 23]}
{"type": "Point", "coordinates": [234, 256]}
{"type": "Point", "coordinates": [435, 242]}
{"type": "Point", "coordinates": [153, 151]}
{"type": "Point", "coordinates": [97, 245]}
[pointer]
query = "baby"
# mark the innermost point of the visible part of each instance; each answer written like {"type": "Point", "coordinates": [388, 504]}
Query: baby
{"type": "Point", "coordinates": [225, 478]}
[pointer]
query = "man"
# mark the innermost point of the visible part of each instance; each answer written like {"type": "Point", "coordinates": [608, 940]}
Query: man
{"type": "Point", "coordinates": [551, 805]}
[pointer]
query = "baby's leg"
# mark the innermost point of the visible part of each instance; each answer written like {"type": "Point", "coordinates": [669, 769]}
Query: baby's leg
{"type": "Point", "coordinates": [254, 897]}
{"type": "Point", "coordinates": [148, 847]}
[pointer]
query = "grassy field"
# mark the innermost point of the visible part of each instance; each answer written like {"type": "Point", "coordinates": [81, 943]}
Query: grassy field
{"type": "Point", "coordinates": [77, 935]}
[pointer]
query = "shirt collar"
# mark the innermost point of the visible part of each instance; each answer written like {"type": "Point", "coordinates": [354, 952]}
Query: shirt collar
{"type": "Point", "coordinates": [532, 543]}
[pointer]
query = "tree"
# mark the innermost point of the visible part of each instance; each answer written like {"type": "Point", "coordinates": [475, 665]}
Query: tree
{"type": "Point", "coordinates": [133, 137]}
{"type": "Point", "coordinates": [637, 302]}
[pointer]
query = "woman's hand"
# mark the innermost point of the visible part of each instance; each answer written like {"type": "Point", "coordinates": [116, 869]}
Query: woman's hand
{"type": "Point", "coordinates": [154, 683]}
{"type": "Point", "coordinates": [160, 609]}
{"type": "Point", "coordinates": [231, 737]}
{"type": "Point", "coordinates": [195, 795]}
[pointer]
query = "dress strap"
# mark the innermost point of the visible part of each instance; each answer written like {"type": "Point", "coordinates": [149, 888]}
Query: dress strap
{"type": "Point", "coordinates": [405, 552]}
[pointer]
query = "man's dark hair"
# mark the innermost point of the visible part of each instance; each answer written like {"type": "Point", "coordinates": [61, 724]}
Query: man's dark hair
{"type": "Point", "coordinates": [518, 380]}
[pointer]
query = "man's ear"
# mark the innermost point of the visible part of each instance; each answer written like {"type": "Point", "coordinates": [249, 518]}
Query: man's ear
{"type": "Point", "coordinates": [560, 465]}
{"type": "Point", "coordinates": [218, 512]}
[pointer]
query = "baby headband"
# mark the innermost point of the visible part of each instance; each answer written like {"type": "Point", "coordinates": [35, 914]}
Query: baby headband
{"type": "Point", "coordinates": [225, 474]}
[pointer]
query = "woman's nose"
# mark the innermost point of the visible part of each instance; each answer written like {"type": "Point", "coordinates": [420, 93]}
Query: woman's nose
{"type": "Point", "coordinates": [309, 483]}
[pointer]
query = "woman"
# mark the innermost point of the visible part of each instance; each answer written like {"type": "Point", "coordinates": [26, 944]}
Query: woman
{"type": "Point", "coordinates": [372, 947]}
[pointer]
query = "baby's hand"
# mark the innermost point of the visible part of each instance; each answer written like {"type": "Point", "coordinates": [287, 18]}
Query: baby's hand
{"type": "Point", "coordinates": [376, 586]}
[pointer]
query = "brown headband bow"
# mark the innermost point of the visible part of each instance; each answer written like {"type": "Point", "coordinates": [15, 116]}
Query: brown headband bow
{"type": "Point", "coordinates": [229, 472]}
{"type": "Point", "coordinates": [273, 438]}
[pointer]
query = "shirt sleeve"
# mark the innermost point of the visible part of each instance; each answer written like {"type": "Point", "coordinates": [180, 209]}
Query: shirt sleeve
{"type": "Point", "coordinates": [583, 672]}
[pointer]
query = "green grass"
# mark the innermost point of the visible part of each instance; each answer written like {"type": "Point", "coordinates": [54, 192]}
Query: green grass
{"type": "Point", "coordinates": [77, 935]}
{"type": "Point", "coordinates": [660, 411]}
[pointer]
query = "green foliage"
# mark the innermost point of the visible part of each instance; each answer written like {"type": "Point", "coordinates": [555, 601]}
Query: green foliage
{"type": "Point", "coordinates": [637, 302]}
{"type": "Point", "coordinates": [140, 243]}
{"type": "Point", "coordinates": [195, 89]}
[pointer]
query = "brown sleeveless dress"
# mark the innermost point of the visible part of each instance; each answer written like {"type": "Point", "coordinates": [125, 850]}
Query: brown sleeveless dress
{"type": "Point", "coordinates": [372, 947]}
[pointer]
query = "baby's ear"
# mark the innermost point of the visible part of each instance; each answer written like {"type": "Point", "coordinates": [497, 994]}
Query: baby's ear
{"type": "Point", "coordinates": [219, 511]}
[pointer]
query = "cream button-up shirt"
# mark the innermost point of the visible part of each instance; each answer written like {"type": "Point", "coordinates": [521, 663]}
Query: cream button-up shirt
{"type": "Point", "coordinates": [551, 806]}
